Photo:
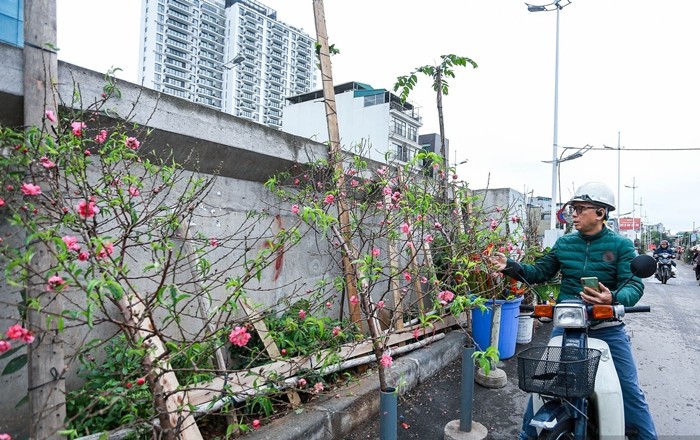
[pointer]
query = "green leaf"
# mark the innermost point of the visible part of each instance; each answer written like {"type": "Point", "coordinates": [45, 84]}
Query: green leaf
{"type": "Point", "coordinates": [23, 401]}
{"type": "Point", "coordinates": [15, 364]}
{"type": "Point", "coordinates": [10, 352]}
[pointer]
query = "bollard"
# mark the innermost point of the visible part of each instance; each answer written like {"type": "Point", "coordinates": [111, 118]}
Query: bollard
{"type": "Point", "coordinates": [467, 394]}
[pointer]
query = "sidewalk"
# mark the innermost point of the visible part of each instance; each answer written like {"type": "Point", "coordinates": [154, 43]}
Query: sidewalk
{"type": "Point", "coordinates": [431, 399]}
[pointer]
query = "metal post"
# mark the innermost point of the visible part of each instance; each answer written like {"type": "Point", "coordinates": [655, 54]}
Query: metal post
{"type": "Point", "coordinates": [467, 395]}
{"type": "Point", "coordinates": [618, 180]}
{"type": "Point", "coordinates": [555, 163]}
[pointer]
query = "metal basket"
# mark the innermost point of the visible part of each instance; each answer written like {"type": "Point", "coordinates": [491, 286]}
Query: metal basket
{"type": "Point", "coordinates": [558, 371]}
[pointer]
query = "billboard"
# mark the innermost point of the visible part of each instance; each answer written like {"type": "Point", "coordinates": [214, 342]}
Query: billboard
{"type": "Point", "coordinates": [630, 224]}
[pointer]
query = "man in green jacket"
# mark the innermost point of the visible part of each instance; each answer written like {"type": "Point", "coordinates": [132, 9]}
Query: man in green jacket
{"type": "Point", "coordinates": [593, 250]}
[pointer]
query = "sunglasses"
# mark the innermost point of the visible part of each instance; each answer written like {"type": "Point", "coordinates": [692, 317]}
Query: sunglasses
{"type": "Point", "coordinates": [579, 209]}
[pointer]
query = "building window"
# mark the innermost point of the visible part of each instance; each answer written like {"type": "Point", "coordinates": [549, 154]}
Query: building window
{"type": "Point", "coordinates": [400, 127]}
{"type": "Point", "coordinates": [402, 152]}
{"type": "Point", "coordinates": [413, 133]}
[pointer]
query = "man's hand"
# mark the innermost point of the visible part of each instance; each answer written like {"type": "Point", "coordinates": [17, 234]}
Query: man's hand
{"type": "Point", "coordinates": [498, 260]}
{"type": "Point", "coordinates": [592, 297]}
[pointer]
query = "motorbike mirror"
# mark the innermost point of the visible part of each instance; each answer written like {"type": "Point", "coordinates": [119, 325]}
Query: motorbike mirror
{"type": "Point", "coordinates": [643, 266]}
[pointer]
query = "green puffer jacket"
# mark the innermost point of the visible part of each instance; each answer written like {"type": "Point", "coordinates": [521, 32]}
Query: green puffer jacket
{"type": "Point", "coordinates": [606, 255]}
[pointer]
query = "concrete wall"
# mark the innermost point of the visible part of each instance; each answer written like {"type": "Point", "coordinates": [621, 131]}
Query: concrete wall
{"type": "Point", "coordinates": [242, 153]}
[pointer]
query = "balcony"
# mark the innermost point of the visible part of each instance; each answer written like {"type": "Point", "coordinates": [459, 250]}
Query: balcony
{"type": "Point", "coordinates": [172, 33]}
{"type": "Point", "coordinates": [176, 5]}
{"type": "Point", "coordinates": [174, 13]}
{"type": "Point", "coordinates": [407, 110]}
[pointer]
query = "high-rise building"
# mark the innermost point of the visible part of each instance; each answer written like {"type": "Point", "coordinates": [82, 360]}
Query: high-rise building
{"type": "Point", "coordinates": [231, 55]}
{"type": "Point", "coordinates": [11, 22]}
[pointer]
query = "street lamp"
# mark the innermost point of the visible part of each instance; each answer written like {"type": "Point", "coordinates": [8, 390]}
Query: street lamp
{"type": "Point", "coordinates": [634, 229]}
{"type": "Point", "coordinates": [618, 172]}
{"type": "Point", "coordinates": [556, 5]}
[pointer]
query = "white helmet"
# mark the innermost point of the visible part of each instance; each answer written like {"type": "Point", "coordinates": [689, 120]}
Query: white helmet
{"type": "Point", "coordinates": [595, 192]}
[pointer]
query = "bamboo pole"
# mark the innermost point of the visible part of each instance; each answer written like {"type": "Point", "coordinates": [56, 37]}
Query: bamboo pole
{"type": "Point", "coordinates": [45, 365]}
{"type": "Point", "coordinates": [335, 157]}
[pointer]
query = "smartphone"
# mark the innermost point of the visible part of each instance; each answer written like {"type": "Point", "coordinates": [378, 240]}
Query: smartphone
{"type": "Point", "coordinates": [591, 282]}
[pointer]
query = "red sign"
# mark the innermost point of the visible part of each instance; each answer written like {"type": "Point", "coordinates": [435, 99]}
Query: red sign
{"type": "Point", "coordinates": [630, 224]}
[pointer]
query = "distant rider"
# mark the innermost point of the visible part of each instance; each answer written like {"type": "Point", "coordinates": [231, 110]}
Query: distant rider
{"type": "Point", "coordinates": [664, 248]}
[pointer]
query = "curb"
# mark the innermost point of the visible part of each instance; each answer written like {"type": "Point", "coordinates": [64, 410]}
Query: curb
{"type": "Point", "coordinates": [335, 416]}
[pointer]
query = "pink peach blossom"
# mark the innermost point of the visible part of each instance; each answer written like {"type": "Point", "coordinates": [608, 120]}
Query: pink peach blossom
{"type": "Point", "coordinates": [77, 128]}
{"type": "Point", "coordinates": [354, 300]}
{"type": "Point", "coordinates": [375, 252]}
{"type": "Point", "coordinates": [46, 163]}
{"type": "Point", "coordinates": [295, 209]}
{"type": "Point", "coordinates": [101, 137]}
{"type": "Point", "coordinates": [55, 281]}
{"type": "Point", "coordinates": [50, 115]}
{"type": "Point", "coordinates": [83, 256]}
{"type": "Point", "coordinates": [405, 228]}
{"type": "Point", "coordinates": [416, 333]}
{"type": "Point", "coordinates": [15, 331]}
{"type": "Point", "coordinates": [239, 336]}
{"type": "Point", "coordinates": [407, 276]}
{"type": "Point", "coordinates": [336, 331]}
{"type": "Point", "coordinates": [256, 424]}
{"type": "Point", "coordinates": [330, 198]}
{"type": "Point", "coordinates": [29, 189]}
{"type": "Point", "coordinates": [132, 143]}
{"type": "Point", "coordinates": [107, 249]}
{"type": "Point", "coordinates": [214, 242]}
{"type": "Point", "coordinates": [87, 209]}
{"type": "Point", "coordinates": [133, 191]}
{"type": "Point", "coordinates": [380, 304]}
{"type": "Point", "coordinates": [302, 314]}
{"type": "Point", "coordinates": [5, 346]}
{"type": "Point", "coordinates": [301, 382]}
{"type": "Point", "coordinates": [446, 296]}
{"type": "Point", "coordinates": [71, 243]}
{"type": "Point", "coordinates": [386, 360]}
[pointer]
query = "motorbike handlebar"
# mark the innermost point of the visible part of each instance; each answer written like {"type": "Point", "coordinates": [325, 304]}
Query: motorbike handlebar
{"type": "Point", "coordinates": [527, 308]}
{"type": "Point", "coordinates": [637, 309]}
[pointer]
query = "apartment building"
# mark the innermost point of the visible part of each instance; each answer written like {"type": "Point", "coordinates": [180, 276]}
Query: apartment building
{"type": "Point", "coordinates": [372, 122]}
{"type": "Point", "coordinates": [231, 55]}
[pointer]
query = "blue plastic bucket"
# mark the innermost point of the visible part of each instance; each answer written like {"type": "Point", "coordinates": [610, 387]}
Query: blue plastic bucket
{"type": "Point", "coordinates": [508, 330]}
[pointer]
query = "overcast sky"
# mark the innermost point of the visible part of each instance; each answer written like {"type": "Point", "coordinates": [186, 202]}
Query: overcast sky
{"type": "Point", "coordinates": [627, 66]}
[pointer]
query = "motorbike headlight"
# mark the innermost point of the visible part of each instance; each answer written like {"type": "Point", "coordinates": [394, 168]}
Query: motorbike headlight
{"type": "Point", "coordinates": [570, 316]}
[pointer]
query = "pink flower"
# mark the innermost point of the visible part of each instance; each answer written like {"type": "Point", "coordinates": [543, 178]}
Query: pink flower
{"type": "Point", "coordinates": [375, 252]}
{"type": "Point", "coordinates": [107, 249]}
{"type": "Point", "coordinates": [318, 387]}
{"type": "Point", "coordinates": [330, 198]}
{"type": "Point", "coordinates": [29, 189]}
{"type": "Point", "coordinates": [2, 202]}
{"type": "Point", "coordinates": [386, 360]}
{"type": "Point", "coordinates": [77, 128]}
{"type": "Point", "coordinates": [387, 191]}
{"type": "Point", "coordinates": [296, 181]}
{"type": "Point", "coordinates": [71, 243]}
{"type": "Point", "coordinates": [46, 163]}
{"type": "Point", "coordinates": [416, 333]}
{"type": "Point", "coordinates": [354, 183]}
{"type": "Point", "coordinates": [438, 225]}
{"type": "Point", "coordinates": [328, 305]}
{"type": "Point", "coordinates": [515, 219]}
{"type": "Point", "coordinates": [15, 331]}
{"type": "Point", "coordinates": [407, 276]}
{"type": "Point", "coordinates": [83, 256]}
{"type": "Point", "coordinates": [295, 209]}
{"type": "Point", "coordinates": [436, 166]}
{"type": "Point", "coordinates": [301, 382]}
{"type": "Point", "coordinates": [50, 115]}
{"type": "Point", "coordinates": [239, 336]}
{"type": "Point", "coordinates": [380, 304]}
{"type": "Point", "coordinates": [132, 143]}
{"type": "Point", "coordinates": [493, 225]}
{"type": "Point", "coordinates": [428, 238]}
{"type": "Point", "coordinates": [336, 331]}
{"type": "Point", "coordinates": [140, 381]}
{"type": "Point", "coordinates": [28, 337]}
{"type": "Point", "coordinates": [256, 424]}
{"type": "Point", "coordinates": [214, 242]}
{"type": "Point", "coordinates": [4, 346]}
{"type": "Point", "coordinates": [446, 296]}
{"type": "Point", "coordinates": [101, 137]}
{"type": "Point", "coordinates": [381, 171]}
{"type": "Point", "coordinates": [405, 228]}
{"type": "Point", "coordinates": [354, 300]}
{"type": "Point", "coordinates": [423, 280]}
{"type": "Point", "coordinates": [5, 437]}
{"type": "Point", "coordinates": [133, 191]}
{"type": "Point", "coordinates": [87, 209]}
{"type": "Point", "coordinates": [302, 314]}
{"type": "Point", "coordinates": [55, 281]}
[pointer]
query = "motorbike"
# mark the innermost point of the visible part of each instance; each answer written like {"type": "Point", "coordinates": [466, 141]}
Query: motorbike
{"type": "Point", "coordinates": [664, 269]}
{"type": "Point", "coordinates": [575, 390]}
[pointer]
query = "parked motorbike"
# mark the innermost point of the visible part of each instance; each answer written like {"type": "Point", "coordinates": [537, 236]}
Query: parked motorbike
{"type": "Point", "coordinates": [576, 391]}
{"type": "Point", "coordinates": [664, 267]}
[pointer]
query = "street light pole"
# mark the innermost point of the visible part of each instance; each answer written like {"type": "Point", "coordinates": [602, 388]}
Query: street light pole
{"type": "Point", "coordinates": [558, 5]}
{"type": "Point", "coordinates": [634, 229]}
{"type": "Point", "coordinates": [618, 178]}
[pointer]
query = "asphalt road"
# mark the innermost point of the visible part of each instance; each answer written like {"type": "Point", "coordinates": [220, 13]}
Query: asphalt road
{"type": "Point", "coordinates": [667, 349]}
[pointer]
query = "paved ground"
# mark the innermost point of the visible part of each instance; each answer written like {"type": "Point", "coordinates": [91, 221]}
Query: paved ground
{"type": "Point", "coordinates": [424, 411]}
